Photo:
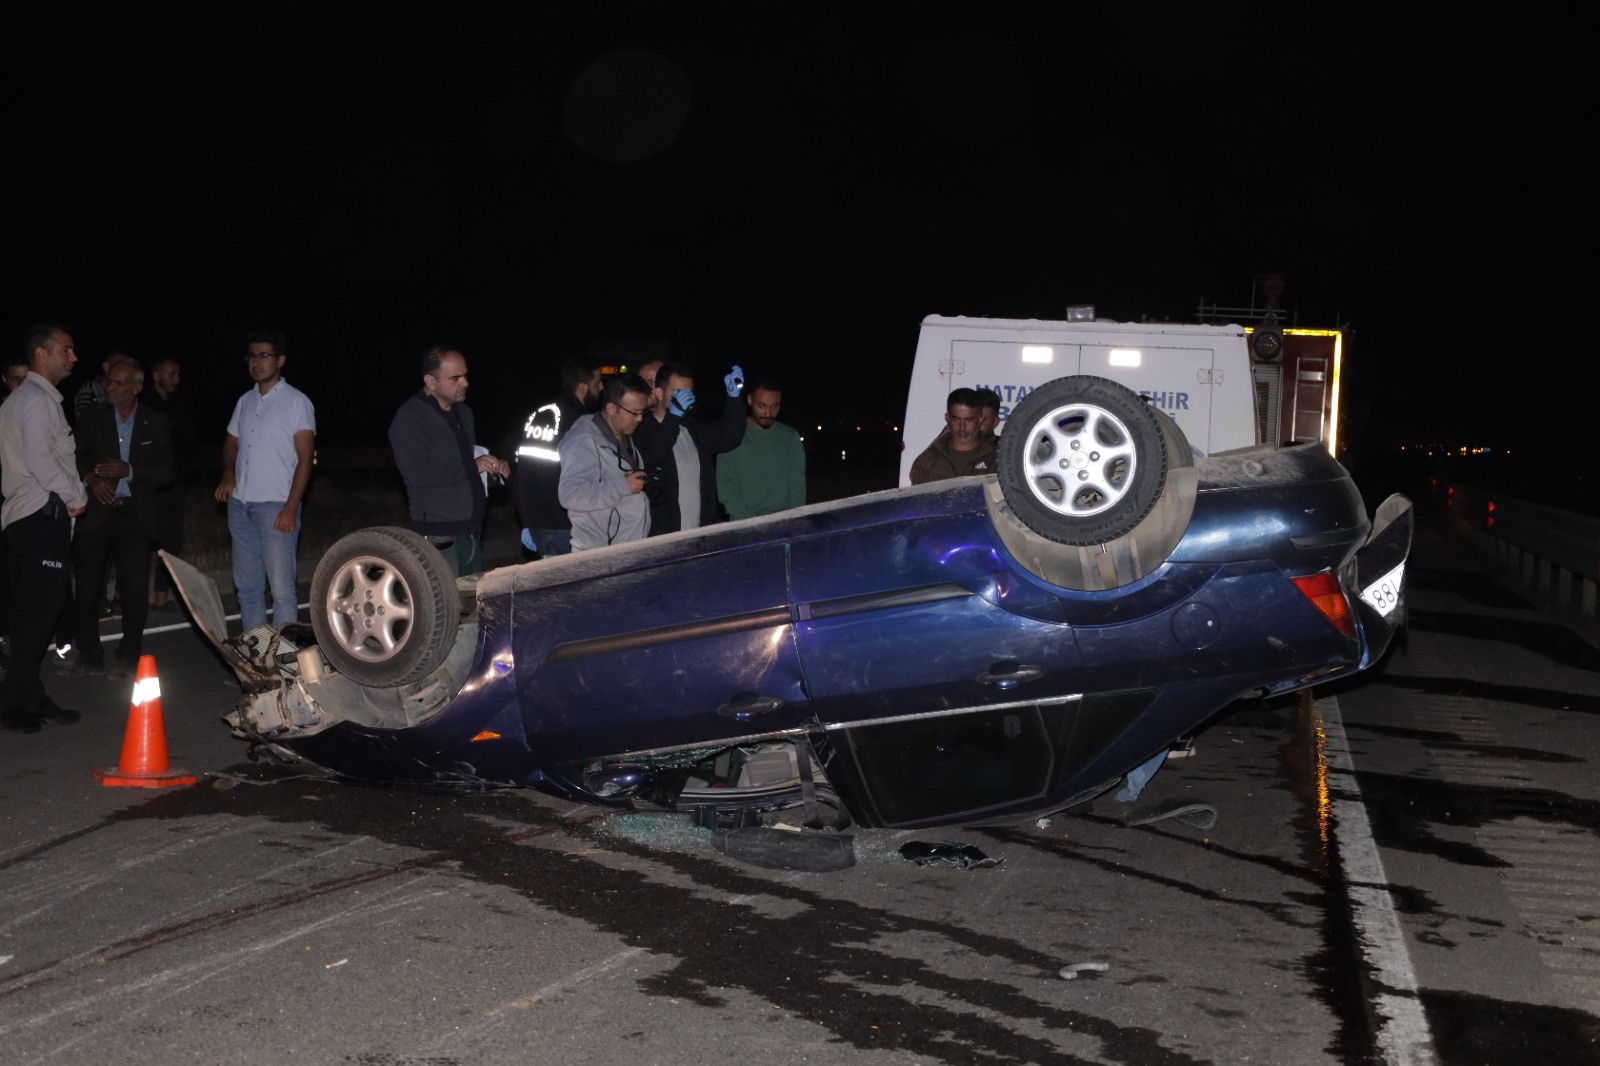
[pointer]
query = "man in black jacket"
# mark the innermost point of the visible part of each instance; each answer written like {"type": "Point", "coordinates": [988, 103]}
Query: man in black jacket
{"type": "Point", "coordinates": [546, 528]}
{"type": "Point", "coordinates": [680, 449]}
{"type": "Point", "coordinates": [166, 374]}
{"type": "Point", "coordinates": [124, 455]}
{"type": "Point", "coordinates": [435, 447]}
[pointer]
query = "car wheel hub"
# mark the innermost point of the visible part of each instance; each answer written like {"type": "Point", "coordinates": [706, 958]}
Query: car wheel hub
{"type": "Point", "coordinates": [369, 609]}
{"type": "Point", "coordinates": [1081, 460]}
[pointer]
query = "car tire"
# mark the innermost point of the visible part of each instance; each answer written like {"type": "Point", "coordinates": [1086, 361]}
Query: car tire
{"type": "Point", "coordinates": [1082, 460]}
{"type": "Point", "coordinates": [384, 606]}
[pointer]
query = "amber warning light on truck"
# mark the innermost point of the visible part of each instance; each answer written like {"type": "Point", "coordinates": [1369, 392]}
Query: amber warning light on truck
{"type": "Point", "coordinates": [1297, 391]}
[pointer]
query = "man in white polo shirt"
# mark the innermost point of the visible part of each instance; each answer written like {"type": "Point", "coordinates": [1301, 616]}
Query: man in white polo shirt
{"type": "Point", "coordinates": [266, 466]}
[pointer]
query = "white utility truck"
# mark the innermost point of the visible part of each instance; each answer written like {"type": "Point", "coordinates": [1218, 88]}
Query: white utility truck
{"type": "Point", "coordinates": [1205, 377]}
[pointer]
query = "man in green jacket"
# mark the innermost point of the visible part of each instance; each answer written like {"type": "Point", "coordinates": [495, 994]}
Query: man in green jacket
{"type": "Point", "coordinates": [766, 473]}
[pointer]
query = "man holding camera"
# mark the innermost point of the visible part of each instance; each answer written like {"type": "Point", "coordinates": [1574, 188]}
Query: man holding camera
{"type": "Point", "coordinates": [602, 474]}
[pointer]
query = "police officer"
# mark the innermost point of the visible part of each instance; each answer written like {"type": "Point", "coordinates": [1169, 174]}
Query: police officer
{"type": "Point", "coordinates": [546, 529]}
{"type": "Point", "coordinates": [42, 497]}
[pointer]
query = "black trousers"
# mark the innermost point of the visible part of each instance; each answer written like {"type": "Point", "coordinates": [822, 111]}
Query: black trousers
{"type": "Point", "coordinates": [169, 505]}
{"type": "Point", "coordinates": [120, 537]}
{"type": "Point", "coordinates": [5, 589]}
{"type": "Point", "coordinates": [41, 583]}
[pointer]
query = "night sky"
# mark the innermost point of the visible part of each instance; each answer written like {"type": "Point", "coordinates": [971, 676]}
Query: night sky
{"type": "Point", "coordinates": [794, 186]}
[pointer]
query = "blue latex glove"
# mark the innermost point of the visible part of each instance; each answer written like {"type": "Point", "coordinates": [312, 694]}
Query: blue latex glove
{"type": "Point", "coordinates": [527, 540]}
{"type": "Point", "coordinates": [735, 380]}
{"type": "Point", "coordinates": [682, 402]}
{"type": "Point", "coordinates": [1138, 777]}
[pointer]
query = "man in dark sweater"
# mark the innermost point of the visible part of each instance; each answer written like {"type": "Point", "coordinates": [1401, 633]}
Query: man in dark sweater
{"type": "Point", "coordinates": [434, 442]}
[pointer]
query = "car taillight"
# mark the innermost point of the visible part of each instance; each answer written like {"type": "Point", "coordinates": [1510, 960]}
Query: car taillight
{"type": "Point", "coordinates": [1325, 593]}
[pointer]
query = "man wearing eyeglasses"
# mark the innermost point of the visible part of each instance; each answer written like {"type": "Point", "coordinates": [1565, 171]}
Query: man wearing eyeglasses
{"type": "Point", "coordinates": [266, 466]}
{"type": "Point", "coordinates": [602, 475]}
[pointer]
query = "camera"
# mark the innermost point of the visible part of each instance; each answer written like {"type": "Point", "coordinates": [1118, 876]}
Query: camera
{"type": "Point", "coordinates": [654, 490]}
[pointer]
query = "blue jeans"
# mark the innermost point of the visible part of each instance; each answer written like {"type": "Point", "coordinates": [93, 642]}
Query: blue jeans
{"type": "Point", "coordinates": [262, 558]}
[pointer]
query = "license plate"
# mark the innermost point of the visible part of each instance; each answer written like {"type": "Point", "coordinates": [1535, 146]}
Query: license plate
{"type": "Point", "coordinates": [1383, 595]}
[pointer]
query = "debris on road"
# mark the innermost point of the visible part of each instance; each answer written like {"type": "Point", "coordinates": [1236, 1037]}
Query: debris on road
{"type": "Point", "coordinates": [947, 853]}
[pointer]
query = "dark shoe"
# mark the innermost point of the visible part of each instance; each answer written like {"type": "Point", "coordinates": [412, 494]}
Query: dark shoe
{"type": "Point", "coordinates": [119, 672]}
{"type": "Point", "coordinates": [86, 668]}
{"type": "Point", "coordinates": [47, 711]}
{"type": "Point", "coordinates": [20, 723]}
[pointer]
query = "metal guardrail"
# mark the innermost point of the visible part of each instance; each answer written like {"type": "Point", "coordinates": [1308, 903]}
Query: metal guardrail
{"type": "Point", "coordinates": [1555, 551]}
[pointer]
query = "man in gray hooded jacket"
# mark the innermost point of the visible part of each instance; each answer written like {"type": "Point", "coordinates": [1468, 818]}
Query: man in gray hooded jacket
{"type": "Point", "coordinates": [602, 475]}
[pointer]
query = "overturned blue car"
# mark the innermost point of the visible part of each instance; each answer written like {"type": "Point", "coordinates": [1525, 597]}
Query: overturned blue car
{"type": "Point", "coordinates": [980, 650]}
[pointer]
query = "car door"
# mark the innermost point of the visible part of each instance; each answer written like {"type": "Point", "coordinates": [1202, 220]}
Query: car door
{"type": "Point", "coordinates": [934, 664]}
{"type": "Point", "coordinates": [688, 651]}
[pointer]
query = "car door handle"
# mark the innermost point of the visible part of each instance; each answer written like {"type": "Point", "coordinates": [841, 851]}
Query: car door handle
{"type": "Point", "coordinates": [1010, 675]}
{"type": "Point", "coordinates": [748, 704]}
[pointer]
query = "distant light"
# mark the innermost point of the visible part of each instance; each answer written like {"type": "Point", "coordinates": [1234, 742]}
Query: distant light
{"type": "Point", "coordinates": [1080, 312]}
{"type": "Point", "coordinates": [1125, 357]}
{"type": "Point", "coordinates": [841, 455]}
{"type": "Point", "coordinates": [1038, 353]}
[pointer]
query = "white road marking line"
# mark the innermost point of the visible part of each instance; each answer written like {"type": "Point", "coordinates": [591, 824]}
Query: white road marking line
{"type": "Point", "coordinates": [175, 626]}
{"type": "Point", "coordinates": [1403, 1036]}
{"type": "Point", "coordinates": [567, 982]}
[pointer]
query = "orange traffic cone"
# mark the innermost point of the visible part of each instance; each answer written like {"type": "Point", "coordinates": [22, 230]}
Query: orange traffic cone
{"type": "Point", "coordinates": [144, 745]}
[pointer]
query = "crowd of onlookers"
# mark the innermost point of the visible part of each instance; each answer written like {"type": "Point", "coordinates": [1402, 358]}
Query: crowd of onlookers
{"type": "Point", "coordinates": [604, 462]}
{"type": "Point", "coordinates": [102, 492]}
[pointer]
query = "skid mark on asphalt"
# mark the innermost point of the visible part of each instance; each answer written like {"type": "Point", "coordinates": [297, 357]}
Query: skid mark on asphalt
{"type": "Point", "coordinates": [157, 989]}
{"type": "Point", "coordinates": [856, 991]}
{"type": "Point", "coordinates": [72, 880]}
{"type": "Point", "coordinates": [191, 914]}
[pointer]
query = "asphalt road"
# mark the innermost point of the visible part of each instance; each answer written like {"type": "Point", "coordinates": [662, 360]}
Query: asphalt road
{"type": "Point", "coordinates": [263, 917]}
